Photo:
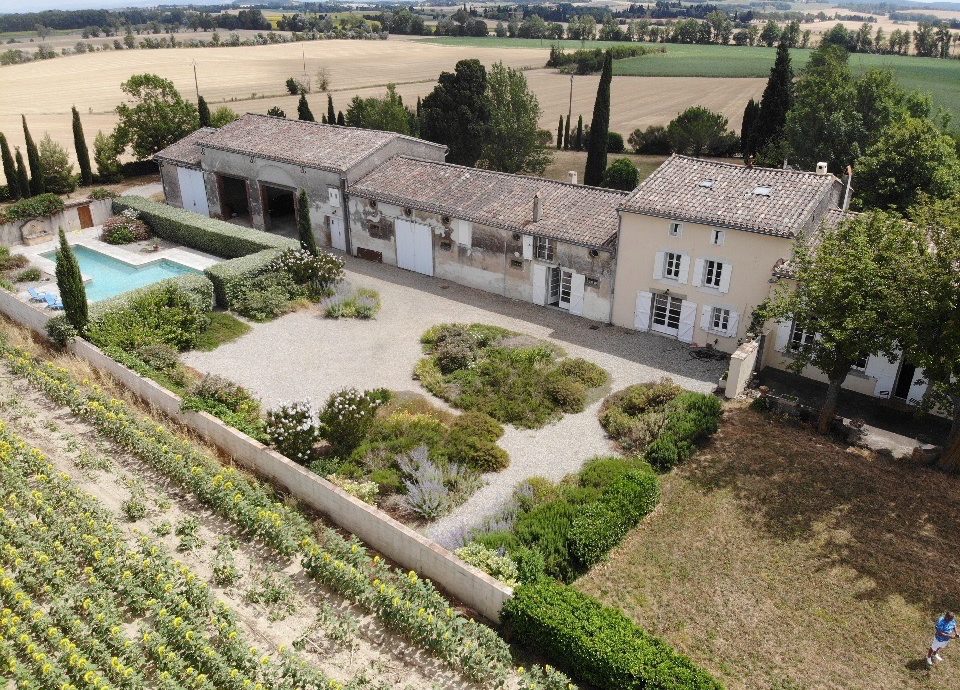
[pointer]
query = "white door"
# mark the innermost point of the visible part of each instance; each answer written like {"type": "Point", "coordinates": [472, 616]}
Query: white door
{"type": "Point", "coordinates": [414, 246]}
{"type": "Point", "coordinates": [666, 314]}
{"type": "Point", "coordinates": [338, 238]}
{"type": "Point", "coordinates": [193, 193]}
{"type": "Point", "coordinates": [577, 283]}
{"type": "Point", "coordinates": [566, 288]}
{"type": "Point", "coordinates": [688, 317]}
{"type": "Point", "coordinates": [539, 278]}
{"type": "Point", "coordinates": [641, 314]}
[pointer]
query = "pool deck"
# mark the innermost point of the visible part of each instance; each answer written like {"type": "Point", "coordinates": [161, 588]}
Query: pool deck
{"type": "Point", "coordinates": [89, 238]}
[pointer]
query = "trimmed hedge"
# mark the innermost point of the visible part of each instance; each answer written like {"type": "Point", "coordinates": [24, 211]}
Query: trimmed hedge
{"type": "Point", "coordinates": [196, 284]}
{"type": "Point", "coordinates": [208, 235]}
{"type": "Point", "coordinates": [597, 644]}
{"type": "Point", "coordinates": [692, 418]}
{"type": "Point", "coordinates": [225, 273]}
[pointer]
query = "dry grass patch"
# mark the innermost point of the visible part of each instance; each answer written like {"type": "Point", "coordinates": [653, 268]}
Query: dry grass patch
{"type": "Point", "coordinates": [778, 559]}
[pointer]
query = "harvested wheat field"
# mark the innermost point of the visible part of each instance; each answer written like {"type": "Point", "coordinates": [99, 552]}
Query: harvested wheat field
{"type": "Point", "coordinates": [251, 79]}
{"type": "Point", "coordinates": [780, 560]}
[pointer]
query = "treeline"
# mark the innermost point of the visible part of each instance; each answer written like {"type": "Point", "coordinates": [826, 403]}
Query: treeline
{"type": "Point", "coordinates": [109, 21]}
{"type": "Point", "coordinates": [590, 60]}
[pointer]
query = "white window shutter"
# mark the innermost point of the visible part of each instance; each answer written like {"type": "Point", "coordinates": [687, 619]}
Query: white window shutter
{"type": "Point", "coordinates": [688, 317]}
{"type": "Point", "coordinates": [539, 278]}
{"type": "Point", "coordinates": [464, 233]}
{"type": "Point", "coordinates": [333, 195]}
{"type": "Point", "coordinates": [684, 268]}
{"type": "Point", "coordinates": [641, 316]}
{"type": "Point", "coordinates": [705, 317]}
{"type": "Point", "coordinates": [732, 324]}
{"type": "Point", "coordinates": [527, 247]}
{"type": "Point", "coordinates": [577, 282]}
{"type": "Point", "coordinates": [783, 335]}
{"type": "Point", "coordinates": [697, 273]}
{"type": "Point", "coordinates": [658, 266]}
{"type": "Point", "coordinates": [725, 277]}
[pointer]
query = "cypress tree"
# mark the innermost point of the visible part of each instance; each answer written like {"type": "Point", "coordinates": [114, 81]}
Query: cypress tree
{"type": "Point", "coordinates": [775, 102]}
{"type": "Point", "coordinates": [70, 282]}
{"type": "Point", "coordinates": [303, 109]}
{"type": "Point", "coordinates": [340, 119]}
{"type": "Point", "coordinates": [560, 134]}
{"type": "Point", "coordinates": [203, 110]}
{"type": "Point", "coordinates": [418, 107]}
{"type": "Point", "coordinates": [307, 241]}
{"type": "Point", "coordinates": [9, 168]}
{"type": "Point", "coordinates": [33, 159]}
{"type": "Point", "coordinates": [323, 119]}
{"type": "Point", "coordinates": [23, 180]}
{"type": "Point", "coordinates": [83, 154]}
{"type": "Point", "coordinates": [578, 144]}
{"type": "Point", "coordinates": [599, 127]}
{"type": "Point", "coordinates": [331, 113]}
{"type": "Point", "coordinates": [566, 133]}
{"type": "Point", "coordinates": [748, 130]}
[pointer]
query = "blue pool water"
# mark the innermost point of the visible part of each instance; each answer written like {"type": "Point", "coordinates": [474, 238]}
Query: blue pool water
{"type": "Point", "coordinates": [111, 276]}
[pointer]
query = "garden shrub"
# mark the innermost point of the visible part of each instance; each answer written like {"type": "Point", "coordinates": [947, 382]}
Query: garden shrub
{"type": "Point", "coordinates": [262, 298]}
{"type": "Point", "coordinates": [600, 472]}
{"type": "Point", "coordinates": [597, 644]}
{"type": "Point", "coordinates": [530, 564]}
{"type": "Point", "coordinates": [426, 493]}
{"type": "Point", "coordinates": [347, 417]}
{"type": "Point", "coordinates": [10, 261]}
{"type": "Point", "coordinates": [543, 678]}
{"type": "Point", "coordinates": [570, 396]}
{"type": "Point", "coordinates": [33, 207]}
{"type": "Point", "coordinates": [228, 401]}
{"type": "Point", "coordinates": [124, 228]}
{"type": "Point", "coordinates": [471, 441]}
{"type": "Point", "coordinates": [583, 371]}
{"type": "Point", "coordinates": [365, 491]}
{"type": "Point", "coordinates": [387, 479]}
{"type": "Point", "coordinates": [209, 235]}
{"type": "Point", "coordinates": [545, 528]}
{"type": "Point", "coordinates": [28, 275]}
{"type": "Point", "coordinates": [429, 375]}
{"type": "Point", "coordinates": [292, 430]}
{"type": "Point", "coordinates": [491, 562]}
{"type": "Point", "coordinates": [238, 270]}
{"type": "Point", "coordinates": [98, 193]}
{"type": "Point", "coordinates": [165, 313]}
{"type": "Point", "coordinates": [60, 331]}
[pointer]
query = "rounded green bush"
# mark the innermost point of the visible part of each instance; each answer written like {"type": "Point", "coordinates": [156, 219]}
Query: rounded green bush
{"type": "Point", "coordinates": [663, 453]}
{"type": "Point", "coordinates": [569, 395]}
{"type": "Point", "coordinates": [596, 530]}
{"type": "Point", "coordinates": [583, 371]}
{"type": "Point", "coordinates": [471, 441]}
{"type": "Point", "coordinates": [388, 479]}
{"type": "Point", "coordinates": [601, 472]}
{"type": "Point", "coordinates": [477, 424]}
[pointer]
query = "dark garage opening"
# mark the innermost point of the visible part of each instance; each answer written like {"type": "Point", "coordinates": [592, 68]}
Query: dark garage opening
{"type": "Point", "coordinates": [233, 200]}
{"type": "Point", "coordinates": [279, 210]}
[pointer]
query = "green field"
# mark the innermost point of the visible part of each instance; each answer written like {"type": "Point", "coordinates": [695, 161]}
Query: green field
{"type": "Point", "coordinates": [939, 78]}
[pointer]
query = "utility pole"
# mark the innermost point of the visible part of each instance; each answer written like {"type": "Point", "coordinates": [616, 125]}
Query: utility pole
{"type": "Point", "coordinates": [196, 84]}
{"type": "Point", "coordinates": [570, 107]}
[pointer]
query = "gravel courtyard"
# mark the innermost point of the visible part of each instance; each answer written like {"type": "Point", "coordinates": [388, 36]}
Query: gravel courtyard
{"type": "Point", "coordinates": [303, 355]}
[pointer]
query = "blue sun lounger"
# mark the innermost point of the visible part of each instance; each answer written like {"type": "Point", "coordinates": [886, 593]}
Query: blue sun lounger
{"type": "Point", "coordinates": [36, 295]}
{"type": "Point", "coordinates": [53, 301]}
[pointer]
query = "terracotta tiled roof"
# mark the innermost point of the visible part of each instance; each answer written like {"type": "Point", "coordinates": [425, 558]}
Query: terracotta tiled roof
{"type": "Point", "coordinates": [187, 150]}
{"type": "Point", "coordinates": [311, 144]}
{"type": "Point", "coordinates": [572, 213]}
{"type": "Point", "coordinates": [785, 268]}
{"type": "Point", "coordinates": [770, 201]}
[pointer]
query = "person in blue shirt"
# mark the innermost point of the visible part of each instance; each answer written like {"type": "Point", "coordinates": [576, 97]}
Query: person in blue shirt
{"type": "Point", "coordinates": [944, 631]}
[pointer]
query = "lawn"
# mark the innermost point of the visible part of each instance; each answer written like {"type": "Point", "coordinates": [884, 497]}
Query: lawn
{"type": "Point", "coordinates": [224, 327]}
{"type": "Point", "coordinates": [565, 161]}
{"type": "Point", "coordinates": [778, 559]}
{"type": "Point", "coordinates": [940, 78]}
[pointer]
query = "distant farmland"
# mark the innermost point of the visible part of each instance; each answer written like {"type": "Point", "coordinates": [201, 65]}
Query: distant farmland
{"type": "Point", "coordinates": [940, 78]}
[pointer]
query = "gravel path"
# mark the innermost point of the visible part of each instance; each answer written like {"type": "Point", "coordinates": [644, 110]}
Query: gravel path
{"type": "Point", "coordinates": [302, 355]}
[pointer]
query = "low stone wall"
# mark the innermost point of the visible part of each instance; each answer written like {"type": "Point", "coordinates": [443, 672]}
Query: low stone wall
{"type": "Point", "coordinates": [742, 362]}
{"type": "Point", "coordinates": [41, 229]}
{"type": "Point", "coordinates": [396, 541]}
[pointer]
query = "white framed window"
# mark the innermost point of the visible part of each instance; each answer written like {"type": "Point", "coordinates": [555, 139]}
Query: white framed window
{"type": "Point", "coordinates": [676, 229]}
{"type": "Point", "coordinates": [712, 273]}
{"type": "Point", "coordinates": [716, 237]}
{"type": "Point", "coordinates": [720, 319]}
{"type": "Point", "coordinates": [333, 195]}
{"type": "Point", "coordinates": [671, 265]}
{"type": "Point", "coordinates": [544, 248]}
{"type": "Point", "coordinates": [801, 336]}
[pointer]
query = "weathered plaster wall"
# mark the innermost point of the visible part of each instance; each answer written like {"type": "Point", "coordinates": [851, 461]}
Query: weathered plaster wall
{"type": "Point", "coordinates": [170, 180]}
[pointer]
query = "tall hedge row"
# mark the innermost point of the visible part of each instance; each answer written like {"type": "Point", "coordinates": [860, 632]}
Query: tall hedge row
{"type": "Point", "coordinates": [225, 273]}
{"type": "Point", "coordinates": [209, 235]}
{"type": "Point", "coordinates": [597, 644]}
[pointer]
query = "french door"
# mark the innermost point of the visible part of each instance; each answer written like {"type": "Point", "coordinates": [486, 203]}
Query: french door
{"type": "Point", "coordinates": [666, 314]}
{"type": "Point", "coordinates": [560, 288]}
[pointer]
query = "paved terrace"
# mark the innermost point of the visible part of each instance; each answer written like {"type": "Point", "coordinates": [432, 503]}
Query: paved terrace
{"type": "Point", "coordinates": [303, 355]}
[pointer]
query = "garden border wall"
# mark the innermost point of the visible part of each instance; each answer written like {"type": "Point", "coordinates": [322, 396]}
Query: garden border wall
{"type": "Point", "coordinates": [396, 541]}
{"type": "Point", "coordinates": [45, 227]}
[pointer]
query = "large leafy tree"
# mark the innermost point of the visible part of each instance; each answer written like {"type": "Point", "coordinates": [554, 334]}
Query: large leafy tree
{"type": "Point", "coordinates": [83, 153]}
{"type": "Point", "coordinates": [599, 126]}
{"type": "Point", "coordinates": [909, 159]}
{"type": "Point", "coordinates": [58, 175]}
{"type": "Point", "coordinates": [622, 174]}
{"type": "Point", "coordinates": [513, 144]}
{"type": "Point", "coordinates": [848, 292]}
{"type": "Point", "coordinates": [70, 283]}
{"type": "Point", "coordinates": [155, 117]}
{"type": "Point", "coordinates": [697, 130]}
{"type": "Point", "coordinates": [388, 113]}
{"type": "Point", "coordinates": [931, 334]}
{"type": "Point", "coordinates": [457, 112]}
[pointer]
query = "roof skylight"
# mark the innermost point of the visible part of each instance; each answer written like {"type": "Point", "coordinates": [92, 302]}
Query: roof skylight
{"type": "Point", "coordinates": [707, 184]}
{"type": "Point", "coordinates": [762, 191]}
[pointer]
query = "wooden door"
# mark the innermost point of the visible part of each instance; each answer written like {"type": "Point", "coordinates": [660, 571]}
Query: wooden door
{"type": "Point", "coordinates": [86, 218]}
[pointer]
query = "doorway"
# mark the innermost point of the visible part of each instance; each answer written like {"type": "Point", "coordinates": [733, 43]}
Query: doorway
{"type": "Point", "coordinates": [86, 218]}
{"type": "Point", "coordinates": [233, 200]}
{"type": "Point", "coordinates": [904, 382]}
{"type": "Point", "coordinates": [414, 246]}
{"type": "Point", "coordinates": [666, 314]}
{"type": "Point", "coordinates": [338, 238]}
{"type": "Point", "coordinates": [279, 210]}
{"type": "Point", "coordinates": [561, 287]}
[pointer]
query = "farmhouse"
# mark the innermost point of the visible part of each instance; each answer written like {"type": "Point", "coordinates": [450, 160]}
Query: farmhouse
{"type": "Point", "coordinates": [689, 254]}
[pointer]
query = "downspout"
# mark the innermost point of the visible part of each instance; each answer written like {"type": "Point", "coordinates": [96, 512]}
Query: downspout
{"type": "Point", "coordinates": [344, 205]}
{"type": "Point", "coordinates": [616, 255]}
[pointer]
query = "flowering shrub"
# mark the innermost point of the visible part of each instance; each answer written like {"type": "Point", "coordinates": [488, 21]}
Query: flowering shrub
{"type": "Point", "coordinates": [365, 491]}
{"type": "Point", "coordinates": [292, 430]}
{"type": "Point", "coordinates": [426, 493]}
{"type": "Point", "coordinates": [544, 677]}
{"type": "Point", "coordinates": [319, 272]}
{"type": "Point", "coordinates": [489, 561]}
{"type": "Point", "coordinates": [124, 228]}
{"type": "Point", "coordinates": [349, 303]}
{"type": "Point", "coordinates": [347, 416]}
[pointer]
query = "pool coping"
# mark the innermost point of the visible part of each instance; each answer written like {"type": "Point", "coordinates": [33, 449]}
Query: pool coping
{"type": "Point", "coordinates": [88, 238]}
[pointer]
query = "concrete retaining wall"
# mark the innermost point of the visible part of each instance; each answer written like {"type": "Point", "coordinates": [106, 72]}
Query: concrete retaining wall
{"type": "Point", "coordinates": [742, 362]}
{"type": "Point", "coordinates": [19, 231]}
{"type": "Point", "coordinates": [396, 541]}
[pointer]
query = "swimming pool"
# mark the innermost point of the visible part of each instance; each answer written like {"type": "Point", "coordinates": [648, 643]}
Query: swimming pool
{"type": "Point", "coordinates": [111, 276]}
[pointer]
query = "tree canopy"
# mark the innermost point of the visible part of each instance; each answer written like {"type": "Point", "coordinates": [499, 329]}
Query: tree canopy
{"type": "Point", "coordinates": [513, 143]}
{"type": "Point", "coordinates": [387, 113]}
{"type": "Point", "coordinates": [622, 174]}
{"type": "Point", "coordinates": [457, 112]}
{"type": "Point", "coordinates": [155, 117]}
{"type": "Point", "coordinates": [697, 130]}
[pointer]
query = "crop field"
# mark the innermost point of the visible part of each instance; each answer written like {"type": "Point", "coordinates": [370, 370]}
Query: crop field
{"type": "Point", "coordinates": [251, 79]}
{"type": "Point", "coordinates": [940, 78]}
{"type": "Point", "coordinates": [780, 560]}
{"type": "Point", "coordinates": [133, 559]}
